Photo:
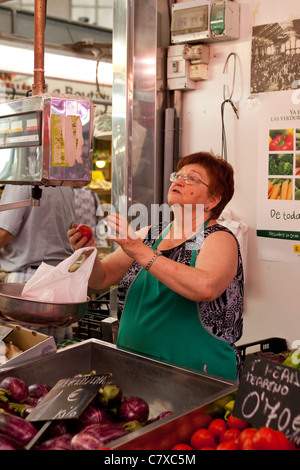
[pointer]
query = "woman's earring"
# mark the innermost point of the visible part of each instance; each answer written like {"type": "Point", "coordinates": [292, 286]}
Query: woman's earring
{"type": "Point", "coordinates": [207, 209]}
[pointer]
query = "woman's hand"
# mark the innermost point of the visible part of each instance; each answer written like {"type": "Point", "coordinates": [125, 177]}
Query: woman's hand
{"type": "Point", "coordinates": [76, 240]}
{"type": "Point", "coordinates": [126, 238]}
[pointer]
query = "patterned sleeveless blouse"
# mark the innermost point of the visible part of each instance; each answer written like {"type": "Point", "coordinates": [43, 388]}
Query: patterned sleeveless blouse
{"type": "Point", "coordinates": [223, 317]}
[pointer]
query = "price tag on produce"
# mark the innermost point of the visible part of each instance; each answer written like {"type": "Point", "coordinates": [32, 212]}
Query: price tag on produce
{"type": "Point", "coordinates": [68, 398]}
{"type": "Point", "coordinates": [268, 395]}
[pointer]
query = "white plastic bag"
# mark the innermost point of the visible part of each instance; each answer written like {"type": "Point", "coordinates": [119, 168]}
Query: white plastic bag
{"type": "Point", "coordinates": [56, 284]}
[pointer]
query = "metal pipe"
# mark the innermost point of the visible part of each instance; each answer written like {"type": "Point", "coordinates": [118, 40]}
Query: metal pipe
{"type": "Point", "coordinates": [39, 86]}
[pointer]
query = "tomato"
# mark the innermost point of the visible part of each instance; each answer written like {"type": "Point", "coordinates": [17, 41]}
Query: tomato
{"type": "Point", "coordinates": [182, 447]}
{"type": "Point", "coordinates": [217, 427]}
{"type": "Point", "coordinates": [236, 423]}
{"type": "Point", "coordinates": [266, 439]}
{"type": "Point", "coordinates": [247, 444]}
{"type": "Point", "coordinates": [202, 438]}
{"type": "Point", "coordinates": [85, 231]}
{"type": "Point", "coordinates": [228, 445]}
{"type": "Point", "coordinates": [230, 434]}
{"type": "Point", "coordinates": [246, 435]}
{"type": "Point", "coordinates": [284, 443]}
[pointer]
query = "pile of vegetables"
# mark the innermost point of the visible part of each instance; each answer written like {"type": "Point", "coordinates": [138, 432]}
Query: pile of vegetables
{"type": "Point", "coordinates": [231, 433]}
{"type": "Point", "coordinates": [280, 189]}
{"type": "Point", "coordinates": [109, 416]}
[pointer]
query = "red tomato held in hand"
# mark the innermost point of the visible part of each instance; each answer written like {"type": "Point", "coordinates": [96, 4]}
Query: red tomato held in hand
{"type": "Point", "coordinates": [217, 427]}
{"type": "Point", "coordinates": [202, 438]}
{"type": "Point", "coordinates": [266, 439]}
{"type": "Point", "coordinates": [85, 231]}
{"type": "Point", "coordinates": [236, 423]}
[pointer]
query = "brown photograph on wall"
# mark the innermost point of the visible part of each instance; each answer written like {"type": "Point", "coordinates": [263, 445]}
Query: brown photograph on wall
{"type": "Point", "coordinates": [275, 57]}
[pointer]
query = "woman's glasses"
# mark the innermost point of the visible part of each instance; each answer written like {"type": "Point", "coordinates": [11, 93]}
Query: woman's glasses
{"type": "Point", "coordinates": [188, 179]}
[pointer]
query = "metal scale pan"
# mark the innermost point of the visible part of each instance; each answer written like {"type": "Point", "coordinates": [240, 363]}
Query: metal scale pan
{"type": "Point", "coordinates": [14, 308]}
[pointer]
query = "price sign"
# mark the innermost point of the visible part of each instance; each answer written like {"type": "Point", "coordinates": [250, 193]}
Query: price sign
{"type": "Point", "coordinates": [68, 398]}
{"type": "Point", "coordinates": [268, 395]}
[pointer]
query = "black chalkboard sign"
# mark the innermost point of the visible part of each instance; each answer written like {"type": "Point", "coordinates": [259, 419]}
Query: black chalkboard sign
{"type": "Point", "coordinates": [268, 395]}
{"type": "Point", "coordinates": [68, 398]}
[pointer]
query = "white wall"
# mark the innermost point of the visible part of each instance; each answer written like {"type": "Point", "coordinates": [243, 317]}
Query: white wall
{"type": "Point", "coordinates": [271, 303]}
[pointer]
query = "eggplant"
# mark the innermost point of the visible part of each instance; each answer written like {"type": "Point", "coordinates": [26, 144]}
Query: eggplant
{"type": "Point", "coordinates": [17, 428]}
{"type": "Point", "coordinates": [62, 442]}
{"type": "Point", "coordinates": [84, 441]}
{"type": "Point", "coordinates": [92, 415]}
{"type": "Point", "coordinates": [7, 443]}
{"type": "Point", "coordinates": [38, 390]}
{"type": "Point", "coordinates": [133, 408]}
{"type": "Point", "coordinates": [110, 396]}
{"type": "Point", "coordinates": [56, 429]}
{"type": "Point", "coordinates": [95, 435]}
{"type": "Point", "coordinates": [16, 388]}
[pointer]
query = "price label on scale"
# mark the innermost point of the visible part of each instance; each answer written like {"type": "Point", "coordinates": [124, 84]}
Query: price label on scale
{"type": "Point", "coordinates": [268, 395]}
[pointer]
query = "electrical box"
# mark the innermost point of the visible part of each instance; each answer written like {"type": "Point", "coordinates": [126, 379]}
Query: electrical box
{"type": "Point", "coordinates": [182, 73]}
{"type": "Point", "coordinates": [205, 21]}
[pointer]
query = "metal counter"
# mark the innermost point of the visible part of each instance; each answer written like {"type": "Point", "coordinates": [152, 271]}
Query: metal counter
{"type": "Point", "coordinates": [163, 386]}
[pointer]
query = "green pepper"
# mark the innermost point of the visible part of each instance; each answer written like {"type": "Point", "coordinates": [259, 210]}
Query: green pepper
{"type": "Point", "coordinates": [293, 359]}
{"type": "Point", "coordinates": [228, 408]}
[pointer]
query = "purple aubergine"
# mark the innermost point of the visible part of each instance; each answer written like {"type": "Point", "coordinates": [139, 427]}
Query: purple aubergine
{"type": "Point", "coordinates": [104, 433]}
{"type": "Point", "coordinates": [16, 388]}
{"type": "Point", "coordinates": [56, 429]}
{"type": "Point", "coordinates": [62, 442]}
{"type": "Point", "coordinates": [84, 441]}
{"type": "Point", "coordinates": [92, 415]}
{"type": "Point", "coordinates": [110, 396]}
{"type": "Point", "coordinates": [17, 428]}
{"type": "Point", "coordinates": [38, 390]}
{"type": "Point", "coordinates": [6, 443]}
{"type": "Point", "coordinates": [133, 408]}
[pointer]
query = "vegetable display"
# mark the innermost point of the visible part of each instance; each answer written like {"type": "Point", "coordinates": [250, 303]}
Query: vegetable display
{"type": "Point", "coordinates": [100, 425]}
{"type": "Point", "coordinates": [108, 417]}
{"type": "Point", "coordinates": [231, 433]}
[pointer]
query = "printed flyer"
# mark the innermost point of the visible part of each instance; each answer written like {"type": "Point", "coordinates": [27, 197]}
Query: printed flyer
{"type": "Point", "coordinates": [278, 195]}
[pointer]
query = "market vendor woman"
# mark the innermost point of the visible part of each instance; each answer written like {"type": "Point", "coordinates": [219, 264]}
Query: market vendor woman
{"type": "Point", "coordinates": [180, 284]}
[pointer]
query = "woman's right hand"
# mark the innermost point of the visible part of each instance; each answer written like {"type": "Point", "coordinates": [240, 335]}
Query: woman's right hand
{"type": "Point", "coordinates": [76, 240]}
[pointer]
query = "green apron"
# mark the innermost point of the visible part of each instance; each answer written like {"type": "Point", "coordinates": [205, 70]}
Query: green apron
{"type": "Point", "coordinates": [164, 325]}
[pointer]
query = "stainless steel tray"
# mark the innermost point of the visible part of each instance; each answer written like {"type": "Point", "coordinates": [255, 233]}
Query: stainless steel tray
{"type": "Point", "coordinates": [162, 385]}
{"type": "Point", "coordinates": [14, 308]}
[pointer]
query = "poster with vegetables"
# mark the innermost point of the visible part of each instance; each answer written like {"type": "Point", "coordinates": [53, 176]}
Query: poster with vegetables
{"type": "Point", "coordinates": [278, 209]}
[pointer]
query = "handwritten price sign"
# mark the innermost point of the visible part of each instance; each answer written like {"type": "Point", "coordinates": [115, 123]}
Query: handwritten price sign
{"type": "Point", "coordinates": [268, 395]}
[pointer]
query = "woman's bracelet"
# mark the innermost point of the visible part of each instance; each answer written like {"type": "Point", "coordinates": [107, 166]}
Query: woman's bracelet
{"type": "Point", "coordinates": [156, 254]}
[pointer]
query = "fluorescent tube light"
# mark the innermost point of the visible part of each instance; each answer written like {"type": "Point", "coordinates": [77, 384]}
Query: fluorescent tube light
{"type": "Point", "coordinates": [76, 69]}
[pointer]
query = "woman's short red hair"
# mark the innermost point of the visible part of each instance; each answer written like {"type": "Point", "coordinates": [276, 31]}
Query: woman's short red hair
{"type": "Point", "coordinates": [220, 174]}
